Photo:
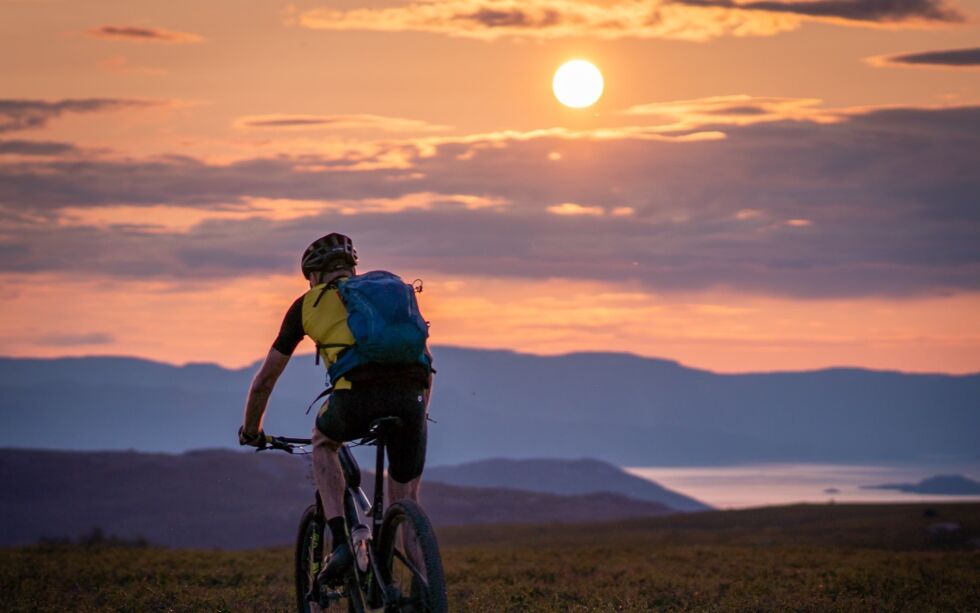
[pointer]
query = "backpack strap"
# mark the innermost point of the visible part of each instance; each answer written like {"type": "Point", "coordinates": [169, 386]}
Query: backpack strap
{"type": "Point", "coordinates": [325, 392]}
{"type": "Point", "coordinates": [327, 346]}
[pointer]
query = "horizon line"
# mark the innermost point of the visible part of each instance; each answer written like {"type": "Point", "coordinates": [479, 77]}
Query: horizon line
{"type": "Point", "coordinates": [254, 363]}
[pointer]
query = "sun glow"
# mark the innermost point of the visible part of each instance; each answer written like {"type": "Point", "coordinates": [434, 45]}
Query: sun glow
{"type": "Point", "coordinates": [577, 84]}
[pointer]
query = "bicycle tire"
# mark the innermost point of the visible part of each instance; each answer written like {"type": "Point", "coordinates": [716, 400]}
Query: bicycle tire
{"type": "Point", "coordinates": [428, 591]}
{"type": "Point", "coordinates": [355, 600]}
{"type": "Point", "coordinates": [309, 548]}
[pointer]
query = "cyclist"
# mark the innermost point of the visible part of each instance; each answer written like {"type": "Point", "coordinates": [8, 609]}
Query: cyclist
{"type": "Point", "coordinates": [359, 396]}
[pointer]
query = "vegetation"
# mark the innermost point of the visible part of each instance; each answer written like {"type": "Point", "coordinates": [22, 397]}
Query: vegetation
{"type": "Point", "coordinates": [804, 558]}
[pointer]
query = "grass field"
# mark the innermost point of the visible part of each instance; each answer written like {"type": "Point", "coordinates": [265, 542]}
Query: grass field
{"type": "Point", "coordinates": [804, 558]}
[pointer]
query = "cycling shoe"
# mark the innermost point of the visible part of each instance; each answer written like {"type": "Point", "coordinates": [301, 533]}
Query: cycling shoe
{"type": "Point", "coordinates": [340, 561]}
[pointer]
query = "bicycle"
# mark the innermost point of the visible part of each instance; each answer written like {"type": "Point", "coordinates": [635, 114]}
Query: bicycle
{"type": "Point", "coordinates": [397, 566]}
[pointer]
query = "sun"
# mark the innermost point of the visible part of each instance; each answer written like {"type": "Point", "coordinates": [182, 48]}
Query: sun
{"type": "Point", "coordinates": [577, 84]}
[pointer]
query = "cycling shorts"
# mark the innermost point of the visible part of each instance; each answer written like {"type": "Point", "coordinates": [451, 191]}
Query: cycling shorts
{"type": "Point", "coordinates": [348, 414]}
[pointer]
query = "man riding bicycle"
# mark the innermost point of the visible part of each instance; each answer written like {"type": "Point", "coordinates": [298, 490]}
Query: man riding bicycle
{"type": "Point", "coordinates": [365, 385]}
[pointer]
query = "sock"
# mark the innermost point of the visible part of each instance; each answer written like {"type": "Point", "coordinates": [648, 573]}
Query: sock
{"type": "Point", "coordinates": [338, 531]}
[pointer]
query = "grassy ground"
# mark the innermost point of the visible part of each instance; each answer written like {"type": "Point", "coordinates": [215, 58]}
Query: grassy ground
{"type": "Point", "coordinates": [805, 558]}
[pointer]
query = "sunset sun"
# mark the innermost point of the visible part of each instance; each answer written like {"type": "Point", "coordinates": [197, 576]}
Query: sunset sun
{"type": "Point", "coordinates": [577, 84]}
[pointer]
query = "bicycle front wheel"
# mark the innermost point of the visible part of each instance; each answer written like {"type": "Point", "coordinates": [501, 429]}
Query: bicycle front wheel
{"type": "Point", "coordinates": [409, 559]}
{"type": "Point", "coordinates": [309, 554]}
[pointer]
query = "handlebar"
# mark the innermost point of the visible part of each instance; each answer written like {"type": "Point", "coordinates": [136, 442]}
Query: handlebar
{"type": "Point", "coordinates": [284, 443]}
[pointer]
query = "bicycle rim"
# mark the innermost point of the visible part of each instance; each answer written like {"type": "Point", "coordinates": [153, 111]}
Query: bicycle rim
{"type": "Point", "coordinates": [410, 560]}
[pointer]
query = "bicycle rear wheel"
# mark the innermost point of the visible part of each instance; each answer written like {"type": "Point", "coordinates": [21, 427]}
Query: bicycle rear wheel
{"type": "Point", "coordinates": [410, 560]}
{"type": "Point", "coordinates": [309, 554]}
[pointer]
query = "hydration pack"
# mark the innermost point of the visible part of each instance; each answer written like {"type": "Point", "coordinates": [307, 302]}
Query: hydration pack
{"type": "Point", "coordinates": [384, 318]}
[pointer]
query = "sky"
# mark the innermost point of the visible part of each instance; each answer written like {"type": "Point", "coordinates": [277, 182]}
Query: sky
{"type": "Point", "coordinates": [763, 185]}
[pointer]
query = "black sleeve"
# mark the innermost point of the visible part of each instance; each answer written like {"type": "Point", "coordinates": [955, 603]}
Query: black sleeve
{"type": "Point", "coordinates": [291, 331]}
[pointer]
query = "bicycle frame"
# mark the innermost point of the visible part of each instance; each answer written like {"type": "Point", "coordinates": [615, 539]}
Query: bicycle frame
{"type": "Point", "coordinates": [356, 505]}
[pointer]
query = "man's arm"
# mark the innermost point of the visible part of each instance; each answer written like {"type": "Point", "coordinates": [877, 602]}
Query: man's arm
{"type": "Point", "coordinates": [261, 389]}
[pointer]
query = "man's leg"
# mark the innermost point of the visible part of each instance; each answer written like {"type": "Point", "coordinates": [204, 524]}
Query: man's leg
{"type": "Point", "coordinates": [327, 474]}
{"type": "Point", "coordinates": [329, 478]}
{"type": "Point", "coordinates": [397, 491]}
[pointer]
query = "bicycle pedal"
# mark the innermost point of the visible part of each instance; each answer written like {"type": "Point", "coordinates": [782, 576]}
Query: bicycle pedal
{"type": "Point", "coordinates": [328, 598]}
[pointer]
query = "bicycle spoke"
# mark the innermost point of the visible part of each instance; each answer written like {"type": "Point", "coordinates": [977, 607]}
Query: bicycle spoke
{"type": "Point", "coordinates": [408, 563]}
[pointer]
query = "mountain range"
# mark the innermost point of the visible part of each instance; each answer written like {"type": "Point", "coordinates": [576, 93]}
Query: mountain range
{"type": "Point", "coordinates": [619, 408]}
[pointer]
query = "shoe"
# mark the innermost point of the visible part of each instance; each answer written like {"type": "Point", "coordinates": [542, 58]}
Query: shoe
{"type": "Point", "coordinates": [337, 566]}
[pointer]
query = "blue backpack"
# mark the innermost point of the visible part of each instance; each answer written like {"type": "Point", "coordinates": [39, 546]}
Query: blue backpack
{"type": "Point", "coordinates": [384, 317]}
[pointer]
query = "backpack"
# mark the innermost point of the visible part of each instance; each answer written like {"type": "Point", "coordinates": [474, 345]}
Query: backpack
{"type": "Point", "coordinates": [383, 316]}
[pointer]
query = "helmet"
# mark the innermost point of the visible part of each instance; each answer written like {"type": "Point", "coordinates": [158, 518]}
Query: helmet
{"type": "Point", "coordinates": [331, 252]}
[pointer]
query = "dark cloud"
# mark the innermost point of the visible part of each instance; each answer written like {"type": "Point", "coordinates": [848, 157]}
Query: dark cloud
{"type": "Point", "coordinates": [32, 114]}
{"type": "Point", "coordinates": [512, 18]}
{"type": "Point", "coordinates": [878, 203]}
{"type": "Point", "coordinates": [951, 58]}
{"type": "Point", "coordinates": [851, 10]}
{"type": "Point", "coordinates": [279, 122]}
{"type": "Point", "coordinates": [30, 147]}
{"type": "Point", "coordinates": [75, 340]}
{"type": "Point", "coordinates": [143, 34]}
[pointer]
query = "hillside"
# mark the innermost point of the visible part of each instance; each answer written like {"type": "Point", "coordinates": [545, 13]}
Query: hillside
{"type": "Point", "coordinates": [618, 408]}
{"type": "Point", "coordinates": [802, 558]}
{"type": "Point", "coordinates": [231, 500]}
{"type": "Point", "coordinates": [566, 477]}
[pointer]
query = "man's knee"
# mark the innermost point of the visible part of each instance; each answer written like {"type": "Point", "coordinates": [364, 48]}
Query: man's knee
{"type": "Point", "coordinates": [322, 443]}
{"type": "Point", "coordinates": [399, 490]}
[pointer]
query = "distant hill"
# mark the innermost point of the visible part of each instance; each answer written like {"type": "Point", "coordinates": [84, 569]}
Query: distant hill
{"type": "Point", "coordinates": [948, 485]}
{"type": "Point", "coordinates": [566, 477]}
{"type": "Point", "coordinates": [230, 499]}
{"type": "Point", "coordinates": [619, 408]}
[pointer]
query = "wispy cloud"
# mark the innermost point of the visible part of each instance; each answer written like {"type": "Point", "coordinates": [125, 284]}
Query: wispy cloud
{"type": "Point", "coordinates": [962, 59]}
{"type": "Point", "coordinates": [23, 114]}
{"type": "Point", "coordinates": [31, 147]}
{"type": "Point", "coordinates": [738, 110]}
{"type": "Point", "coordinates": [76, 340]}
{"type": "Point", "coordinates": [872, 11]}
{"type": "Point", "coordinates": [572, 209]}
{"type": "Point", "coordinates": [550, 19]}
{"type": "Point", "coordinates": [337, 122]}
{"type": "Point", "coordinates": [142, 34]}
{"type": "Point", "coordinates": [697, 20]}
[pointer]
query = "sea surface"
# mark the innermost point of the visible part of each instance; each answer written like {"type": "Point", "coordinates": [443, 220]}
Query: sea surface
{"type": "Point", "coordinates": [756, 485]}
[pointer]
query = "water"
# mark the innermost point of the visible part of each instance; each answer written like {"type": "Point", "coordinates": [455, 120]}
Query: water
{"type": "Point", "coordinates": [755, 485]}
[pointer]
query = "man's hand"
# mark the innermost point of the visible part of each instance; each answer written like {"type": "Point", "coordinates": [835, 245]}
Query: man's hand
{"type": "Point", "coordinates": [255, 439]}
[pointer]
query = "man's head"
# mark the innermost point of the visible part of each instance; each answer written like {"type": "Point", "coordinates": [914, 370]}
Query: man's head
{"type": "Point", "coordinates": [328, 258]}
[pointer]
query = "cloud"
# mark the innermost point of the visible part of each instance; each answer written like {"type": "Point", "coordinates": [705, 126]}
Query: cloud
{"type": "Point", "coordinates": [76, 340]}
{"type": "Point", "coordinates": [337, 122]}
{"type": "Point", "coordinates": [946, 58]}
{"type": "Point", "coordinates": [141, 34]}
{"type": "Point", "coordinates": [858, 202]}
{"type": "Point", "coordinates": [738, 110]}
{"type": "Point", "coordinates": [551, 19]}
{"type": "Point", "coordinates": [696, 20]}
{"type": "Point", "coordinates": [30, 147]}
{"type": "Point", "coordinates": [572, 209]}
{"type": "Point", "coordinates": [23, 114]}
{"type": "Point", "coordinates": [879, 11]}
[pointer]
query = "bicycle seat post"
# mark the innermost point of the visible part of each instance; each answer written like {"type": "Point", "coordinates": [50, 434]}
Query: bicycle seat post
{"type": "Point", "coordinates": [379, 430]}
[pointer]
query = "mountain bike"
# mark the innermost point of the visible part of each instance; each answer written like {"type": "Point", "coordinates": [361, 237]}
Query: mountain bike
{"type": "Point", "coordinates": [397, 566]}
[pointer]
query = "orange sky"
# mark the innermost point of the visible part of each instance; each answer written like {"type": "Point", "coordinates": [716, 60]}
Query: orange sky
{"type": "Point", "coordinates": [759, 188]}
